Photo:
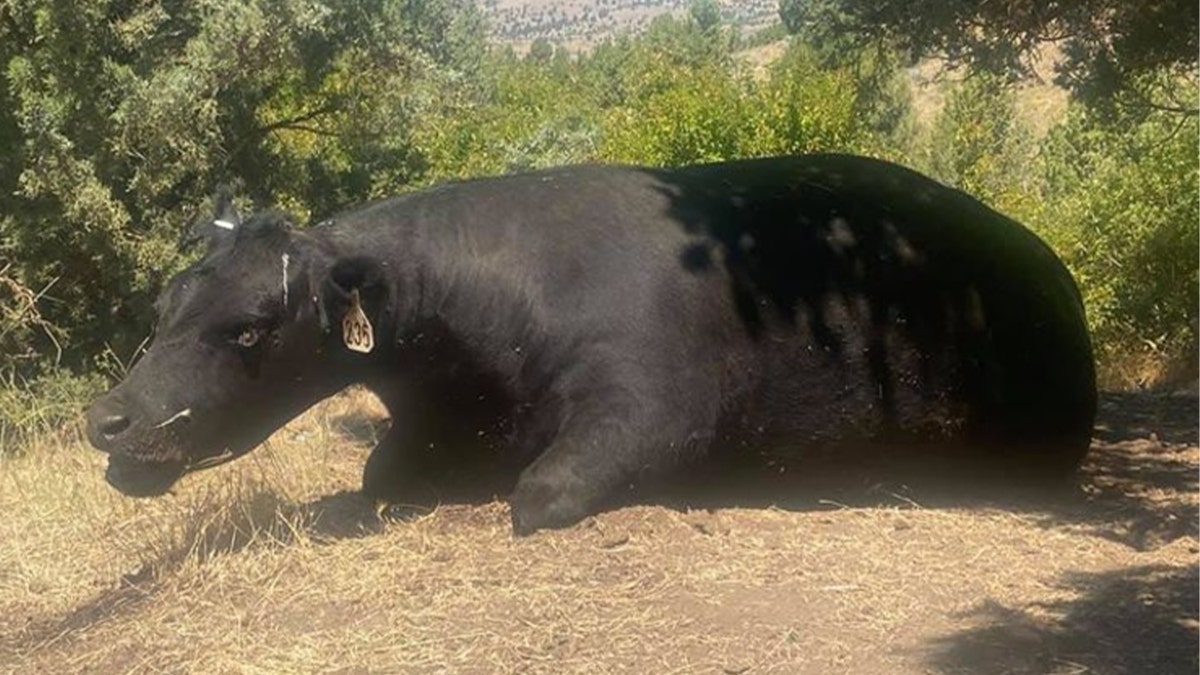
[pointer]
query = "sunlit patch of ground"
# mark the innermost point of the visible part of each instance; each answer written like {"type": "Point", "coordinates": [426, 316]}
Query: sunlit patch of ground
{"type": "Point", "coordinates": [274, 564]}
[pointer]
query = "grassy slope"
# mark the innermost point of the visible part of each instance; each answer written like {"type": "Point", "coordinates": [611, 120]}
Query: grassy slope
{"type": "Point", "coordinates": [274, 565]}
{"type": "Point", "coordinates": [580, 24]}
{"type": "Point", "coordinates": [1040, 103]}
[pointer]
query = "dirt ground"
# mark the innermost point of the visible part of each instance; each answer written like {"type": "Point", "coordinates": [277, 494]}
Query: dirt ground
{"type": "Point", "coordinates": [276, 565]}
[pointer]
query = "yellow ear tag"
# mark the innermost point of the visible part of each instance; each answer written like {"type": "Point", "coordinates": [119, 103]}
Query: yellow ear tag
{"type": "Point", "coordinates": [356, 328]}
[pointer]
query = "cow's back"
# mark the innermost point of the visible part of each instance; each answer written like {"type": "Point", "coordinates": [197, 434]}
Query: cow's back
{"type": "Point", "coordinates": [821, 299]}
{"type": "Point", "coordinates": [881, 304]}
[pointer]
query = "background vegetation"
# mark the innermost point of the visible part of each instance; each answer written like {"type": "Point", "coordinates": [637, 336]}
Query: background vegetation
{"type": "Point", "coordinates": [119, 118]}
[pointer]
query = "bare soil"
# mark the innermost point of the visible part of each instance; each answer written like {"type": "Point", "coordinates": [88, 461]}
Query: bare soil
{"type": "Point", "coordinates": [276, 565]}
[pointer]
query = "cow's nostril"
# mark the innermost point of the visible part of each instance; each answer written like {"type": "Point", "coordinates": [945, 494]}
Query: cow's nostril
{"type": "Point", "coordinates": [113, 425]}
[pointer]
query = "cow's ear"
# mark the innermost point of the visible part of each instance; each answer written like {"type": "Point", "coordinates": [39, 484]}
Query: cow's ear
{"type": "Point", "coordinates": [225, 215]}
{"type": "Point", "coordinates": [347, 278]}
{"type": "Point", "coordinates": [217, 228]}
{"type": "Point", "coordinates": [225, 219]}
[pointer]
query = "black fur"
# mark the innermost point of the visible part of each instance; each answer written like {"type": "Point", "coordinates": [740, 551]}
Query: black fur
{"type": "Point", "coordinates": [608, 324]}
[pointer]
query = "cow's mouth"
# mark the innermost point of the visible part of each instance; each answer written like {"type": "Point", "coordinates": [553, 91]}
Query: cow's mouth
{"type": "Point", "coordinates": [139, 478]}
{"type": "Point", "coordinates": [136, 478]}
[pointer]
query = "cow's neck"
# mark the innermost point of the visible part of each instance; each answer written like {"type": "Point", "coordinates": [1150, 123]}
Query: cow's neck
{"type": "Point", "coordinates": [446, 285]}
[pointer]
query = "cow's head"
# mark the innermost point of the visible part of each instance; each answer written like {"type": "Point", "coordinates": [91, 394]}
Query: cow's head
{"type": "Point", "coordinates": [241, 346]}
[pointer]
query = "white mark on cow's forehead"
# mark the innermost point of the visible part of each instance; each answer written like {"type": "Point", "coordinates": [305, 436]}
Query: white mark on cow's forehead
{"type": "Point", "coordinates": [182, 414]}
{"type": "Point", "coordinates": [285, 260]}
{"type": "Point", "coordinates": [224, 224]}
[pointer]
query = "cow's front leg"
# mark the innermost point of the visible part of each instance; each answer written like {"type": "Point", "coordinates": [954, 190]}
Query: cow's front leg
{"type": "Point", "coordinates": [400, 465]}
{"type": "Point", "coordinates": [432, 437]}
{"type": "Point", "coordinates": [597, 453]}
{"type": "Point", "coordinates": [397, 467]}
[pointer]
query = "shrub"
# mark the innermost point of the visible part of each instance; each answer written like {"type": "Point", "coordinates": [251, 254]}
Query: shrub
{"type": "Point", "coordinates": [1119, 202]}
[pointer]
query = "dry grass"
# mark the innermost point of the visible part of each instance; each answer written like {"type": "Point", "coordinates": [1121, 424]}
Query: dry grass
{"type": "Point", "coordinates": [275, 565]}
{"type": "Point", "coordinates": [1146, 367]}
{"type": "Point", "coordinates": [1040, 104]}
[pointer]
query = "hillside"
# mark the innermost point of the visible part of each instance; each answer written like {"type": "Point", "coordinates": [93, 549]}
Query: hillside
{"type": "Point", "coordinates": [577, 24]}
{"type": "Point", "coordinates": [1040, 103]}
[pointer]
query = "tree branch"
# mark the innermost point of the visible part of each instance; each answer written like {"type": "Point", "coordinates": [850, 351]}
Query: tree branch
{"type": "Point", "coordinates": [298, 120]}
{"type": "Point", "coordinates": [303, 127]}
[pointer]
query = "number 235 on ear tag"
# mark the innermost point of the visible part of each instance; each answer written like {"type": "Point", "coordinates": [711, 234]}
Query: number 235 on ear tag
{"type": "Point", "coordinates": [356, 328]}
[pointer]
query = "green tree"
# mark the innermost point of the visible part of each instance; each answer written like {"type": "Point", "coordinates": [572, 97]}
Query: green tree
{"type": "Point", "coordinates": [541, 50]}
{"type": "Point", "coordinates": [1114, 51]}
{"type": "Point", "coordinates": [119, 117]}
{"type": "Point", "coordinates": [697, 116]}
{"type": "Point", "coordinates": [694, 40]}
{"type": "Point", "coordinates": [706, 14]}
{"type": "Point", "coordinates": [684, 113]}
{"type": "Point", "coordinates": [516, 114]}
{"type": "Point", "coordinates": [1120, 204]}
{"type": "Point", "coordinates": [883, 100]}
{"type": "Point", "coordinates": [806, 106]}
{"type": "Point", "coordinates": [979, 145]}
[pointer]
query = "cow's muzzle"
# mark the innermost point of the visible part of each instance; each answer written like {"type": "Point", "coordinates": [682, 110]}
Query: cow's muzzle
{"type": "Point", "coordinates": [143, 460]}
{"type": "Point", "coordinates": [136, 478]}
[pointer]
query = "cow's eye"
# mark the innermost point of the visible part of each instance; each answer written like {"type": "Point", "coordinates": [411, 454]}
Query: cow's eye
{"type": "Point", "coordinates": [248, 338]}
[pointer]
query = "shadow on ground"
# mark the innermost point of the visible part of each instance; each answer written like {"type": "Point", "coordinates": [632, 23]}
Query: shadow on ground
{"type": "Point", "coordinates": [360, 428]}
{"type": "Point", "coordinates": [1132, 621]}
{"type": "Point", "coordinates": [1138, 487]}
{"type": "Point", "coordinates": [265, 520]}
{"type": "Point", "coordinates": [1140, 482]}
{"type": "Point", "coordinates": [1135, 487]}
{"type": "Point", "coordinates": [1127, 416]}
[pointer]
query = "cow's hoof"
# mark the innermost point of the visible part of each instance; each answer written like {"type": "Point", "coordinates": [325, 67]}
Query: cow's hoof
{"type": "Point", "coordinates": [542, 505]}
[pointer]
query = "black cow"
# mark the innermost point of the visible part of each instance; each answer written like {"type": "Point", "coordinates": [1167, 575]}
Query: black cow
{"type": "Point", "coordinates": [611, 323]}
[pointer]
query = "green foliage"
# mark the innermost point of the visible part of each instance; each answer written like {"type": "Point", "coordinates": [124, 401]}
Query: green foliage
{"type": "Point", "coordinates": [519, 114]}
{"type": "Point", "coordinates": [710, 111]}
{"type": "Point", "coordinates": [1111, 47]}
{"type": "Point", "coordinates": [1120, 204]}
{"type": "Point", "coordinates": [705, 14]}
{"type": "Point", "coordinates": [120, 118]}
{"type": "Point", "coordinates": [763, 36]}
{"type": "Point", "coordinates": [22, 326]}
{"type": "Point", "coordinates": [1117, 199]}
{"type": "Point", "coordinates": [696, 40]}
{"type": "Point", "coordinates": [804, 106]}
{"type": "Point", "coordinates": [32, 409]}
{"type": "Point", "coordinates": [541, 50]}
{"type": "Point", "coordinates": [978, 145]}
{"type": "Point", "coordinates": [679, 124]}
{"type": "Point", "coordinates": [883, 101]}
